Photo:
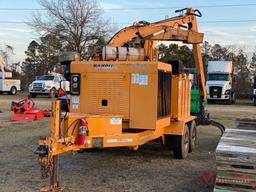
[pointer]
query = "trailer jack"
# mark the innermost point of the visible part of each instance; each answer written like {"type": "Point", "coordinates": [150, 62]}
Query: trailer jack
{"type": "Point", "coordinates": [50, 162]}
{"type": "Point", "coordinates": [49, 167]}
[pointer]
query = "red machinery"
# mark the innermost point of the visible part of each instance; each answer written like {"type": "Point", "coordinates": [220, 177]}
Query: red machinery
{"type": "Point", "coordinates": [25, 111]}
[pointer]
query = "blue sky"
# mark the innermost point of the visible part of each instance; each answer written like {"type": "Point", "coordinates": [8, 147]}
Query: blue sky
{"type": "Point", "coordinates": [239, 34]}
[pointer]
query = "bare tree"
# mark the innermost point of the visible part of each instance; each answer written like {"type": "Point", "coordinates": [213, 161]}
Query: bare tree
{"type": "Point", "coordinates": [5, 55]}
{"type": "Point", "coordinates": [77, 23]}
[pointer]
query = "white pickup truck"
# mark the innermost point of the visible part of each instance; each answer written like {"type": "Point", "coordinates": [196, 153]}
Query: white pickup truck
{"type": "Point", "coordinates": [48, 85]}
{"type": "Point", "coordinates": [7, 84]}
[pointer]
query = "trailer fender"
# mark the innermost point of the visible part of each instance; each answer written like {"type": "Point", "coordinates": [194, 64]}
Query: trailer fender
{"type": "Point", "coordinates": [178, 127]}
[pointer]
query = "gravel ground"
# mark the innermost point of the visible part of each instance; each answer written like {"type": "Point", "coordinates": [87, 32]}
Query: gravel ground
{"type": "Point", "coordinates": [151, 168]}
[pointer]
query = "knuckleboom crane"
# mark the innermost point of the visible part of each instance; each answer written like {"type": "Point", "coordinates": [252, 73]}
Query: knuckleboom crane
{"type": "Point", "coordinates": [125, 97]}
{"type": "Point", "coordinates": [167, 30]}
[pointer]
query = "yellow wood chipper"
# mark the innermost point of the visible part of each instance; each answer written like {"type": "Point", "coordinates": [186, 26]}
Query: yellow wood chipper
{"type": "Point", "coordinates": [125, 97]}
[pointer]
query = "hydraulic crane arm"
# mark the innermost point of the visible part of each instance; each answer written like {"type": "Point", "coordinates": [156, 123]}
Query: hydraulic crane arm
{"type": "Point", "coordinates": [189, 37]}
{"type": "Point", "coordinates": [143, 29]}
{"type": "Point", "coordinates": [143, 34]}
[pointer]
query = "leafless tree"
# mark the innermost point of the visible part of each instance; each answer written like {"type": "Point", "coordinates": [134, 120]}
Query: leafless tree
{"type": "Point", "coordinates": [6, 54]}
{"type": "Point", "coordinates": [77, 23]}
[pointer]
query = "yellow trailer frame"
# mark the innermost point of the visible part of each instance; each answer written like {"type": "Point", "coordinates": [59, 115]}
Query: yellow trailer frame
{"type": "Point", "coordinates": [56, 144]}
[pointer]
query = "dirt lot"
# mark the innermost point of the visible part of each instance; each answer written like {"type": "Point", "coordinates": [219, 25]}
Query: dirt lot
{"type": "Point", "coordinates": [151, 168]}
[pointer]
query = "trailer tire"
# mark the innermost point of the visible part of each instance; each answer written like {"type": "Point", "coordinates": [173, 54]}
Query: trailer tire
{"type": "Point", "coordinates": [169, 141]}
{"type": "Point", "coordinates": [181, 145]}
{"type": "Point", "coordinates": [13, 90]}
{"type": "Point", "coordinates": [32, 95]}
{"type": "Point", "coordinates": [233, 98]}
{"type": "Point", "coordinates": [192, 136]}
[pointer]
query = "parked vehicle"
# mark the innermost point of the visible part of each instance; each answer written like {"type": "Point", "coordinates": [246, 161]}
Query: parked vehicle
{"type": "Point", "coordinates": [7, 83]}
{"type": "Point", "coordinates": [48, 85]}
{"type": "Point", "coordinates": [254, 91]}
{"type": "Point", "coordinates": [220, 81]}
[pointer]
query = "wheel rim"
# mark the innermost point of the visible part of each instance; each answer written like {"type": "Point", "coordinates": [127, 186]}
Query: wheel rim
{"type": "Point", "coordinates": [194, 136]}
{"type": "Point", "coordinates": [186, 141]}
{"type": "Point", "coordinates": [13, 91]}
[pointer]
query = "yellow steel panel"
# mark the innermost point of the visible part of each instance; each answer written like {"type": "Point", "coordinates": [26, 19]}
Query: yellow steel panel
{"type": "Point", "coordinates": [143, 104]}
{"type": "Point", "coordinates": [164, 122]}
{"type": "Point", "coordinates": [55, 120]}
{"type": "Point", "coordinates": [98, 125]}
{"type": "Point", "coordinates": [175, 97]}
{"type": "Point", "coordinates": [112, 87]}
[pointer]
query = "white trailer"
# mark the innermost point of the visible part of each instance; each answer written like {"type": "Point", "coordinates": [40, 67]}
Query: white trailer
{"type": "Point", "coordinates": [220, 81]}
{"type": "Point", "coordinates": [7, 84]}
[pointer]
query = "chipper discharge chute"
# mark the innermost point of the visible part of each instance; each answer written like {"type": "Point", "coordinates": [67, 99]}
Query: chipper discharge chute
{"type": "Point", "coordinates": [125, 97]}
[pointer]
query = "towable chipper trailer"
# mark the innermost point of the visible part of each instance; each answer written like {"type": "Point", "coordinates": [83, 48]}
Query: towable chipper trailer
{"type": "Point", "coordinates": [125, 97]}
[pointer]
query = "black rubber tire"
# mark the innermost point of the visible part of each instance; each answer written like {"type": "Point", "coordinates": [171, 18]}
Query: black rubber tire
{"type": "Point", "coordinates": [254, 102]}
{"type": "Point", "coordinates": [53, 93]}
{"type": "Point", "coordinates": [229, 101]}
{"type": "Point", "coordinates": [13, 90]}
{"type": "Point", "coordinates": [233, 98]}
{"type": "Point", "coordinates": [192, 136]}
{"type": "Point", "coordinates": [181, 145]}
{"type": "Point", "coordinates": [169, 141]}
{"type": "Point", "coordinates": [32, 95]}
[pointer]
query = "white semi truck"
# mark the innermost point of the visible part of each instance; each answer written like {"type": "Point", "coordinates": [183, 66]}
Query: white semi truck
{"type": "Point", "coordinates": [7, 84]}
{"type": "Point", "coordinates": [220, 81]}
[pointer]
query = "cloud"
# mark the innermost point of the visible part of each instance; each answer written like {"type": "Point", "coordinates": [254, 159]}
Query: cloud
{"type": "Point", "coordinates": [19, 30]}
{"type": "Point", "coordinates": [231, 36]}
{"type": "Point", "coordinates": [218, 31]}
{"type": "Point", "coordinates": [253, 28]}
{"type": "Point", "coordinates": [110, 6]}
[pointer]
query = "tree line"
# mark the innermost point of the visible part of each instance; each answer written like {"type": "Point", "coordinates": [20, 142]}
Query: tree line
{"type": "Point", "coordinates": [244, 66]}
{"type": "Point", "coordinates": [64, 25]}
{"type": "Point", "coordinates": [78, 25]}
